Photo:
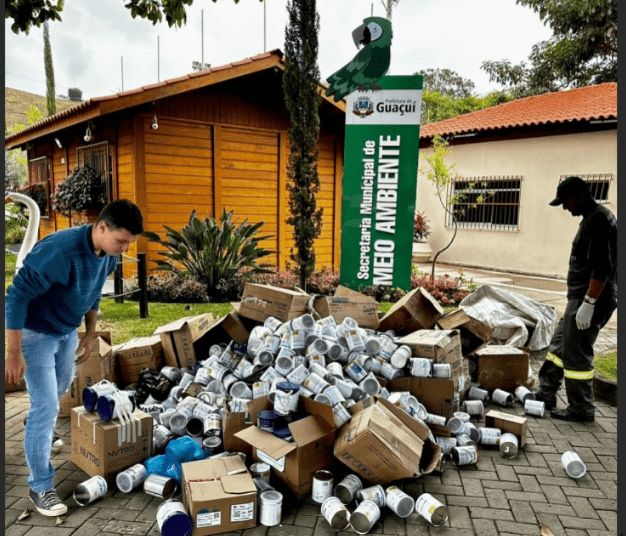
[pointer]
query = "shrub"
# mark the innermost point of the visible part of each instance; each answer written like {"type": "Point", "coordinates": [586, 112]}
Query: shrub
{"type": "Point", "coordinates": [83, 189]}
{"type": "Point", "coordinates": [37, 192]}
{"type": "Point", "coordinates": [446, 290]}
{"type": "Point", "coordinates": [168, 287]}
{"type": "Point", "coordinates": [216, 254]}
{"type": "Point", "coordinates": [15, 226]}
{"type": "Point", "coordinates": [421, 227]}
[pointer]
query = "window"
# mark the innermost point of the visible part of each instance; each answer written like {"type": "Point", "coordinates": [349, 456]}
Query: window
{"type": "Point", "coordinates": [599, 184]}
{"type": "Point", "coordinates": [485, 202]}
{"type": "Point", "coordinates": [39, 184]}
{"type": "Point", "coordinates": [98, 157]}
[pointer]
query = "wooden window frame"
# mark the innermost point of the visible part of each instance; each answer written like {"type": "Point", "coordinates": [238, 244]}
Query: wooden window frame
{"type": "Point", "coordinates": [104, 166]}
{"type": "Point", "coordinates": [35, 165]}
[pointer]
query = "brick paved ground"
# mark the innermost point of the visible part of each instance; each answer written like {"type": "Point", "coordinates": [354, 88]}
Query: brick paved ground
{"type": "Point", "coordinates": [496, 497]}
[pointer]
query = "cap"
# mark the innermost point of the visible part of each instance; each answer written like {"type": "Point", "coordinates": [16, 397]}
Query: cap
{"type": "Point", "coordinates": [567, 187]}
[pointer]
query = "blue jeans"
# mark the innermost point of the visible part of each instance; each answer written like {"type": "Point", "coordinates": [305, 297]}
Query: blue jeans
{"type": "Point", "coordinates": [50, 365]}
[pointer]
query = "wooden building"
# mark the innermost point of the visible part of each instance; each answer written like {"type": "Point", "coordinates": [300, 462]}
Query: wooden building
{"type": "Point", "coordinates": [221, 142]}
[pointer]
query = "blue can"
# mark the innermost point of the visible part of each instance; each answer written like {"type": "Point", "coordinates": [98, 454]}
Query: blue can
{"type": "Point", "coordinates": [266, 419]}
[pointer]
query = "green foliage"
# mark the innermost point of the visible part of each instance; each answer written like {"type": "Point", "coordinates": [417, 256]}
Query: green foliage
{"type": "Point", "coordinates": [606, 365]}
{"type": "Point", "coordinates": [37, 192]}
{"type": "Point", "coordinates": [15, 226]}
{"type": "Point", "coordinates": [421, 227]}
{"type": "Point", "coordinates": [581, 52]}
{"type": "Point", "coordinates": [15, 161]}
{"type": "Point", "coordinates": [168, 287]}
{"type": "Point", "coordinates": [83, 189]}
{"type": "Point", "coordinates": [447, 83]}
{"type": "Point", "coordinates": [437, 106]}
{"type": "Point", "coordinates": [47, 59]}
{"type": "Point", "coordinates": [75, 94]}
{"type": "Point", "coordinates": [33, 114]}
{"type": "Point", "coordinates": [214, 253]}
{"type": "Point", "coordinates": [300, 81]}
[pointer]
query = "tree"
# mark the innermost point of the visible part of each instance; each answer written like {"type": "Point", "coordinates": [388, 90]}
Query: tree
{"type": "Point", "coordinates": [15, 161]}
{"type": "Point", "coordinates": [75, 94]}
{"type": "Point", "coordinates": [300, 81]}
{"type": "Point", "coordinates": [47, 59]}
{"type": "Point", "coordinates": [581, 52]}
{"type": "Point", "coordinates": [25, 13]}
{"type": "Point", "coordinates": [447, 82]}
{"type": "Point", "coordinates": [437, 107]}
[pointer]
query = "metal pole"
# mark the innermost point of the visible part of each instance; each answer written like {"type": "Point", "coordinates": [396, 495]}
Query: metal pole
{"type": "Point", "coordinates": [158, 59]}
{"type": "Point", "coordinates": [264, 25]}
{"type": "Point", "coordinates": [118, 281]}
{"type": "Point", "coordinates": [202, 40]}
{"type": "Point", "coordinates": [143, 285]}
{"type": "Point", "coordinates": [122, 58]}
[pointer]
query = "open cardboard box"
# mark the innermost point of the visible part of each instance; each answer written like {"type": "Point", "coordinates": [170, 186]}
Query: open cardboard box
{"type": "Point", "coordinates": [436, 394]}
{"type": "Point", "coordinates": [349, 303]}
{"type": "Point", "coordinates": [259, 302]}
{"type": "Point", "coordinates": [382, 443]}
{"type": "Point", "coordinates": [417, 310]}
{"type": "Point", "coordinates": [502, 367]}
{"type": "Point", "coordinates": [220, 495]}
{"type": "Point", "coordinates": [183, 340]}
{"type": "Point", "coordinates": [474, 333]}
{"type": "Point", "coordinates": [137, 354]}
{"type": "Point", "coordinates": [312, 449]}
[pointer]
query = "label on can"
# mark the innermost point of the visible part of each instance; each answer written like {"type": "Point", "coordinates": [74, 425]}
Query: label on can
{"type": "Point", "coordinates": [322, 486]}
{"type": "Point", "coordinates": [398, 501]}
{"type": "Point", "coordinates": [330, 508]}
{"type": "Point", "coordinates": [535, 407]}
{"type": "Point", "coordinates": [90, 490]}
{"type": "Point", "coordinates": [375, 494]}
{"type": "Point", "coordinates": [467, 455]}
{"type": "Point", "coordinates": [442, 370]}
{"type": "Point", "coordinates": [501, 397]}
{"type": "Point", "coordinates": [490, 436]}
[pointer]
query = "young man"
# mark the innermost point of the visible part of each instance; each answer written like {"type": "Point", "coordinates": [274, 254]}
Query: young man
{"type": "Point", "coordinates": [591, 300]}
{"type": "Point", "coordinates": [59, 285]}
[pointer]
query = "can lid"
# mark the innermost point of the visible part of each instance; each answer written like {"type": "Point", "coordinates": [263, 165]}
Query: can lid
{"type": "Point", "coordinates": [105, 407]}
{"type": "Point", "coordinates": [178, 524]}
{"type": "Point", "coordinates": [271, 497]}
{"type": "Point", "coordinates": [90, 397]}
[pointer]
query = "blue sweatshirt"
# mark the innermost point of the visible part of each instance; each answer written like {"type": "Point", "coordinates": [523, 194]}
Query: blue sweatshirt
{"type": "Point", "coordinates": [60, 281]}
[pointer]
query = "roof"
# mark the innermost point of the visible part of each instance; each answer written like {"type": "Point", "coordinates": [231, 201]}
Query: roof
{"type": "Point", "coordinates": [582, 104]}
{"type": "Point", "coordinates": [99, 106]}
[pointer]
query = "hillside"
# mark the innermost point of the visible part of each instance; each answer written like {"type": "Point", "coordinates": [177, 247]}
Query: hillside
{"type": "Point", "coordinates": [17, 102]}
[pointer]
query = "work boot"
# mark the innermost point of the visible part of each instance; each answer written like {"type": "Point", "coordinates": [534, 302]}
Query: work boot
{"type": "Point", "coordinates": [568, 414]}
{"type": "Point", "coordinates": [57, 442]}
{"type": "Point", "coordinates": [549, 404]}
{"type": "Point", "coordinates": [48, 502]}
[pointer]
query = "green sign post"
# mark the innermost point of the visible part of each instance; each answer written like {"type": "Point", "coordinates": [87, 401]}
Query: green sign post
{"type": "Point", "coordinates": [379, 183]}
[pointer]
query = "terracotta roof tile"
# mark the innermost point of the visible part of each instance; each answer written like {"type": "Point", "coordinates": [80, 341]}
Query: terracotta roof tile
{"type": "Point", "coordinates": [581, 104]}
{"type": "Point", "coordinates": [153, 86]}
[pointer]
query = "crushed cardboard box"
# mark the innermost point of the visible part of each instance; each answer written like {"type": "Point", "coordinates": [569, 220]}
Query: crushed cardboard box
{"type": "Point", "coordinates": [513, 424]}
{"type": "Point", "coordinates": [219, 495]}
{"type": "Point", "coordinates": [259, 302]}
{"type": "Point", "coordinates": [417, 310]}
{"type": "Point", "coordinates": [382, 443]}
{"type": "Point", "coordinates": [137, 354]}
{"type": "Point", "coordinates": [436, 394]}
{"type": "Point", "coordinates": [349, 303]}
{"type": "Point", "coordinates": [474, 333]}
{"type": "Point", "coordinates": [183, 339]}
{"type": "Point", "coordinates": [107, 448]}
{"type": "Point", "coordinates": [232, 326]}
{"type": "Point", "coordinates": [231, 424]}
{"type": "Point", "coordinates": [502, 367]}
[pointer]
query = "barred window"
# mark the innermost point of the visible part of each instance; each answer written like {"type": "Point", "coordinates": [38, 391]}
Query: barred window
{"type": "Point", "coordinates": [39, 184]}
{"type": "Point", "coordinates": [98, 157]}
{"type": "Point", "coordinates": [485, 202]}
{"type": "Point", "coordinates": [599, 184]}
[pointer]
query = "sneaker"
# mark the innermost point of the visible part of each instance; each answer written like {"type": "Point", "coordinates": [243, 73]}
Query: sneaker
{"type": "Point", "coordinates": [48, 502]}
{"type": "Point", "coordinates": [57, 442]}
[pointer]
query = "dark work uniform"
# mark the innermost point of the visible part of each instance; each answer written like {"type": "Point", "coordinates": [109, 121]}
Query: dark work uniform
{"type": "Point", "coordinates": [570, 354]}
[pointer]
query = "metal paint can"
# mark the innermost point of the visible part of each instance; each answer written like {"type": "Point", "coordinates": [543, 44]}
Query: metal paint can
{"type": "Point", "coordinates": [318, 359]}
{"type": "Point", "coordinates": [322, 486]}
{"type": "Point", "coordinates": [372, 345]}
{"type": "Point", "coordinates": [399, 502]}
{"type": "Point", "coordinates": [574, 466]}
{"type": "Point", "coordinates": [355, 341]}
{"type": "Point", "coordinates": [172, 519]}
{"type": "Point", "coordinates": [340, 415]}
{"type": "Point", "coordinates": [131, 478]}
{"type": "Point", "coordinates": [431, 418]}
{"type": "Point", "coordinates": [464, 455]}
{"type": "Point", "coordinates": [334, 395]}
{"type": "Point", "coordinates": [203, 377]}
{"type": "Point", "coordinates": [91, 394]}
{"type": "Point", "coordinates": [207, 397]}
{"type": "Point", "coordinates": [421, 367]}
{"type": "Point", "coordinates": [306, 321]}
{"type": "Point", "coordinates": [463, 440]}
{"type": "Point", "coordinates": [490, 436]}
{"type": "Point", "coordinates": [318, 346]}
{"type": "Point", "coordinates": [172, 373]}
{"type": "Point", "coordinates": [365, 517]}
{"type": "Point", "coordinates": [534, 407]}
{"type": "Point", "coordinates": [90, 490]}
{"type": "Point", "coordinates": [298, 375]}
{"type": "Point", "coordinates": [323, 399]}
{"type": "Point", "coordinates": [335, 369]}
{"type": "Point", "coordinates": [471, 430]}
{"type": "Point", "coordinates": [314, 382]}
{"type": "Point", "coordinates": [355, 371]}
{"type": "Point", "coordinates": [442, 370]}
{"type": "Point", "coordinates": [335, 352]}
{"type": "Point", "coordinates": [213, 424]}
{"type": "Point", "coordinates": [211, 445]}
{"type": "Point", "coordinates": [473, 408]}
{"type": "Point", "coordinates": [365, 361]}
{"type": "Point", "coordinates": [240, 390]}
{"type": "Point", "coordinates": [375, 494]}
{"type": "Point", "coordinates": [421, 412]}
{"type": "Point", "coordinates": [431, 509]}
{"type": "Point", "coordinates": [455, 424]}
{"type": "Point", "coordinates": [284, 365]}
{"type": "Point", "coordinates": [347, 488]}
{"type": "Point", "coordinates": [261, 485]}
{"type": "Point", "coordinates": [389, 372]}
{"type": "Point", "coordinates": [297, 340]}
{"type": "Point", "coordinates": [370, 385]}
{"type": "Point", "coordinates": [462, 415]}
{"type": "Point", "coordinates": [524, 394]}
{"type": "Point", "coordinates": [260, 470]}
{"type": "Point", "coordinates": [509, 445]}
{"type": "Point", "coordinates": [335, 512]}
{"type": "Point", "coordinates": [446, 443]}
{"type": "Point", "coordinates": [270, 508]}
{"type": "Point", "coordinates": [265, 420]}
{"type": "Point", "coordinates": [159, 486]}
{"type": "Point", "coordinates": [475, 393]}
{"type": "Point", "coordinates": [502, 398]}
{"type": "Point", "coordinates": [272, 323]}
{"type": "Point", "coordinates": [400, 357]}
{"type": "Point", "coordinates": [178, 421]}
{"type": "Point", "coordinates": [238, 405]}
{"type": "Point", "coordinates": [272, 343]}
{"type": "Point", "coordinates": [387, 348]}
{"type": "Point", "coordinates": [260, 389]}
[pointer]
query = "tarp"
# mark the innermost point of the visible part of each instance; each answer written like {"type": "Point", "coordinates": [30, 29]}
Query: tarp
{"type": "Point", "coordinates": [512, 316]}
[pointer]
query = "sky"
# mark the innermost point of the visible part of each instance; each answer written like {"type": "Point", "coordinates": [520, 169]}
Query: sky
{"type": "Point", "coordinates": [97, 37]}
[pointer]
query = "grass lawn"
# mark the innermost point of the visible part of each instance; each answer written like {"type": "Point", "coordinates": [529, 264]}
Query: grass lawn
{"type": "Point", "coordinates": [606, 365]}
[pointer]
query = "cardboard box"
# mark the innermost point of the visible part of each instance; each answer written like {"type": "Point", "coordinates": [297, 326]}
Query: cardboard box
{"type": "Point", "coordinates": [382, 443]}
{"type": "Point", "coordinates": [417, 310]}
{"type": "Point", "coordinates": [261, 301]}
{"type": "Point", "coordinates": [502, 367]}
{"type": "Point", "coordinates": [100, 366]}
{"type": "Point", "coordinates": [347, 302]}
{"type": "Point", "coordinates": [107, 448]}
{"type": "Point", "coordinates": [442, 346]}
{"type": "Point", "coordinates": [437, 395]}
{"type": "Point", "coordinates": [231, 327]}
{"type": "Point", "coordinates": [474, 333]}
{"type": "Point", "coordinates": [513, 424]}
{"type": "Point", "coordinates": [231, 424]}
{"type": "Point", "coordinates": [219, 495]}
{"type": "Point", "coordinates": [137, 354]}
{"type": "Point", "coordinates": [182, 340]}
{"type": "Point", "coordinates": [312, 449]}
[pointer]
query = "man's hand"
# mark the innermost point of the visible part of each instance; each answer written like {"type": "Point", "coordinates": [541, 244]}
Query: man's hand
{"type": "Point", "coordinates": [583, 315]}
{"type": "Point", "coordinates": [14, 366]}
{"type": "Point", "coordinates": [85, 343]}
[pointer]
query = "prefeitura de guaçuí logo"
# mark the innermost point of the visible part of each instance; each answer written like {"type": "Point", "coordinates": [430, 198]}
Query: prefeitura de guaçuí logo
{"type": "Point", "coordinates": [363, 106]}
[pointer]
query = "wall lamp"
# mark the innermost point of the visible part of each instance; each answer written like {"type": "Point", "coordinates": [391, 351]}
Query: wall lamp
{"type": "Point", "coordinates": [88, 133]}
{"type": "Point", "coordinates": [154, 124]}
{"type": "Point", "coordinates": [58, 142]}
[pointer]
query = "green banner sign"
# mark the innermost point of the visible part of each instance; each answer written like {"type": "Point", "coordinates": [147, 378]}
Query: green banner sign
{"type": "Point", "coordinates": [379, 183]}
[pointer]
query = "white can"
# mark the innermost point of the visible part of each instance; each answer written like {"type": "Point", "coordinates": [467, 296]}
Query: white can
{"type": "Point", "coordinates": [260, 470]}
{"type": "Point", "coordinates": [347, 488]}
{"type": "Point", "coordinates": [272, 323]}
{"type": "Point", "coordinates": [322, 486]}
{"type": "Point", "coordinates": [90, 490]}
{"type": "Point", "coordinates": [400, 357]}
{"type": "Point", "coordinates": [270, 506]}
{"type": "Point", "coordinates": [399, 502]}
{"type": "Point", "coordinates": [365, 517]}
{"type": "Point", "coordinates": [370, 385]}
{"type": "Point", "coordinates": [524, 394]}
{"type": "Point", "coordinates": [509, 445]}
{"type": "Point", "coordinates": [574, 466]}
{"type": "Point", "coordinates": [317, 359]}
{"type": "Point", "coordinates": [340, 415]}
{"type": "Point", "coordinates": [421, 367]}
{"type": "Point", "coordinates": [490, 436]}
{"type": "Point", "coordinates": [431, 509]}
{"type": "Point", "coordinates": [260, 389]}
{"type": "Point", "coordinates": [315, 383]}
{"type": "Point", "coordinates": [473, 407]}
{"type": "Point", "coordinates": [372, 345]}
{"type": "Point", "coordinates": [431, 418]}
{"type": "Point", "coordinates": [389, 372]}
{"type": "Point", "coordinates": [475, 393]}
{"type": "Point", "coordinates": [387, 348]}
{"type": "Point", "coordinates": [534, 407]}
{"type": "Point", "coordinates": [442, 370]}
{"type": "Point", "coordinates": [240, 390]}
{"type": "Point", "coordinates": [455, 424]}
{"type": "Point", "coordinates": [131, 478]}
{"type": "Point", "coordinates": [502, 398]}
{"type": "Point", "coordinates": [284, 365]}
{"type": "Point", "coordinates": [297, 340]}
{"type": "Point", "coordinates": [334, 395]}
{"type": "Point", "coordinates": [298, 375]}
{"type": "Point", "coordinates": [354, 340]}
{"type": "Point", "coordinates": [159, 486]}
{"type": "Point", "coordinates": [463, 440]}
{"type": "Point", "coordinates": [355, 371]}
{"type": "Point", "coordinates": [335, 512]}
{"type": "Point", "coordinates": [282, 402]}
{"type": "Point", "coordinates": [172, 518]}
{"type": "Point", "coordinates": [446, 443]}
{"type": "Point", "coordinates": [373, 493]}
{"type": "Point", "coordinates": [464, 455]}
{"type": "Point", "coordinates": [271, 343]}
{"type": "Point", "coordinates": [335, 369]}
{"type": "Point", "coordinates": [306, 321]}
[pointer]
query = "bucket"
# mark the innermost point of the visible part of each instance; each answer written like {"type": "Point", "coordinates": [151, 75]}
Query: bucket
{"type": "Point", "coordinates": [265, 420]}
{"type": "Point", "coordinates": [375, 494]}
{"type": "Point", "coordinates": [509, 445]}
{"type": "Point", "coordinates": [502, 398]}
{"type": "Point", "coordinates": [91, 394]}
{"type": "Point", "coordinates": [455, 424]}
{"type": "Point", "coordinates": [322, 486]}
{"type": "Point", "coordinates": [574, 466]}
{"type": "Point", "coordinates": [90, 490]}
{"type": "Point", "coordinates": [347, 488]}
{"type": "Point", "coordinates": [474, 408]}
{"type": "Point", "coordinates": [365, 517]}
{"type": "Point", "coordinates": [172, 519]}
{"type": "Point", "coordinates": [159, 486]}
{"type": "Point", "coordinates": [131, 478]}
{"type": "Point", "coordinates": [431, 509]}
{"type": "Point", "coordinates": [399, 502]}
{"type": "Point", "coordinates": [335, 512]}
{"type": "Point", "coordinates": [260, 470]}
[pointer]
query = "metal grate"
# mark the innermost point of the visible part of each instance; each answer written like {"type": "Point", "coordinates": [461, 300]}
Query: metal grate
{"type": "Point", "coordinates": [40, 183]}
{"type": "Point", "coordinates": [98, 157]}
{"type": "Point", "coordinates": [599, 184]}
{"type": "Point", "coordinates": [485, 202]}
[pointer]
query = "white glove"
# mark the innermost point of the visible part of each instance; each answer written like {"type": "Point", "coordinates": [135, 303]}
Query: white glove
{"type": "Point", "coordinates": [583, 315]}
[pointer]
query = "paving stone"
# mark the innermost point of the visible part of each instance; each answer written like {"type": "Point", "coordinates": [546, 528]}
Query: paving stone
{"type": "Point", "coordinates": [459, 517]}
{"type": "Point", "coordinates": [516, 528]}
{"type": "Point", "coordinates": [522, 511]}
{"type": "Point", "coordinates": [507, 473]}
{"type": "Point", "coordinates": [555, 494]}
{"type": "Point", "coordinates": [552, 522]}
{"type": "Point", "coordinates": [261, 530]}
{"type": "Point", "coordinates": [529, 483]}
{"type": "Point", "coordinates": [468, 501]}
{"type": "Point", "coordinates": [604, 504]}
{"type": "Point", "coordinates": [608, 488]}
{"type": "Point", "coordinates": [553, 509]}
{"type": "Point", "coordinates": [609, 519]}
{"type": "Point", "coordinates": [473, 487]}
{"type": "Point", "coordinates": [138, 501]}
{"type": "Point", "coordinates": [491, 513]}
{"type": "Point", "coordinates": [20, 530]}
{"type": "Point", "coordinates": [497, 499]}
{"type": "Point", "coordinates": [289, 530]}
{"type": "Point", "coordinates": [446, 490]}
{"type": "Point", "coordinates": [581, 523]}
{"type": "Point", "coordinates": [589, 493]}
{"type": "Point", "coordinates": [484, 527]}
{"type": "Point", "coordinates": [116, 514]}
{"type": "Point", "coordinates": [393, 524]}
{"type": "Point", "coordinates": [127, 527]}
{"type": "Point", "coordinates": [51, 530]}
{"type": "Point", "coordinates": [525, 496]}
{"type": "Point", "coordinates": [578, 532]}
{"type": "Point", "coordinates": [307, 515]}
